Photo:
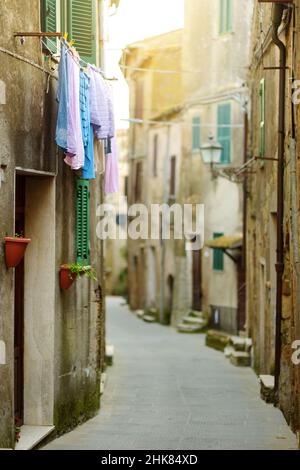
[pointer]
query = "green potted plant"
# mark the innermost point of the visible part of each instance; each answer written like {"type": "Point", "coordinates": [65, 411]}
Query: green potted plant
{"type": "Point", "coordinates": [69, 272]}
{"type": "Point", "coordinates": [15, 248]}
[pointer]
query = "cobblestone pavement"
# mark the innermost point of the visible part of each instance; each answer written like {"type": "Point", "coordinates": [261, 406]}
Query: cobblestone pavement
{"type": "Point", "coordinates": [169, 391]}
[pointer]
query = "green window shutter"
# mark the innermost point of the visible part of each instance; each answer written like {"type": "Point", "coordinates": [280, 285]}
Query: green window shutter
{"type": "Point", "coordinates": [82, 28]}
{"type": "Point", "coordinates": [49, 21]}
{"type": "Point", "coordinates": [229, 16]}
{"type": "Point", "coordinates": [63, 16]}
{"type": "Point", "coordinates": [222, 16]}
{"type": "Point", "coordinates": [262, 139]}
{"type": "Point", "coordinates": [218, 255]}
{"type": "Point", "coordinates": [224, 133]}
{"type": "Point", "coordinates": [226, 10]}
{"type": "Point", "coordinates": [83, 222]}
{"type": "Point", "coordinates": [196, 144]}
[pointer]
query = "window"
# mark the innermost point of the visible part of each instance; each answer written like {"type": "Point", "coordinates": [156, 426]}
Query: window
{"type": "Point", "coordinates": [225, 16]}
{"type": "Point", "coordinates": [83, 222]}
{"type": "Point", "coordinates": [78, 18]}
{"type": "Point", "coordinates": [155, 152]}
{"type": "Point", "coordinates": [218, 255]}
{"type": "Point", "coordinates": [81, 16]}
{"type": "Point", "coordinates": [224, 133]}
{"type": "Point", "coordinates": [262, 135]}
{"type": "Point", "coordinates": [50, 21]}
{"type": "Point", "coordinates": [138, 181]}
{"type": "Point", "coordinates": [196, 141]}
{"type": "Point", "coordinates": [173, 176]}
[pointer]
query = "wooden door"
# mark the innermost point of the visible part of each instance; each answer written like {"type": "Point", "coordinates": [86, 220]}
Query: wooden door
{"type": "Point", "coordinates": [197, 290]}
{"type": "Point", "coordinates": [19, 306]}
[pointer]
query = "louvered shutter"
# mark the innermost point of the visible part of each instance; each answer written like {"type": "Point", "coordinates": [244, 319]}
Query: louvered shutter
{"type": "Point", "coordinates": [82, 27]}
{"type": "Point", "coordinates": [83, 222]}
{"type": "Point", "coordinates": [222, 16]}
{"type": "Point", "coordinates": [49, 22]}
{"type": "Point", "coordinates": [226, 12]}
{"type": "Point", "coordinates": [229, 16]}
{"type": "Point", "coordinates": [218, 255]}
{"type": "Point", "coordinates": [224, 133]}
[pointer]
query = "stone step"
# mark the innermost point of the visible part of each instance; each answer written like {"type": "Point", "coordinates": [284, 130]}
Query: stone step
{"type": "Point", "coordinates": [196, 314]}
{"type": "Point", "coordinates": [240, 359]}
{"type": "Point", "coordinates": [217, 340]}
{"type": "Point", "coordinates": [240, 344]}
{"type": "Point", "coordinates": [184, 328]}
{"type": "Point", "coordinates": [149, 319]}
{"type": "Point", "coordinates": [228, 351]}
{"type": "Point", "coordinates": [109, 355]}
{"type": "Point", "coordinates": [194, 321]}
{"type": "Point", "coordinates": [140, 313]}
{"type": "Point", "coordinates": [267, 384]}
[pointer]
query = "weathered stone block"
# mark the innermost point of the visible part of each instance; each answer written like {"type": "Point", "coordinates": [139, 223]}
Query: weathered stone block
{"type": "Point", "coordinates": [240, 359]}
{"type": "Point", "coordinates": [217, 340]}
{"type": "Point", "coordinates": [109, 355]}
{"type": "Point", "coordinates": [267, 383]}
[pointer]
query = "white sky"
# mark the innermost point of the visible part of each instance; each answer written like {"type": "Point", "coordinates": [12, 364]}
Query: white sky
{"type": "Point", "coordinates": [136, 20]}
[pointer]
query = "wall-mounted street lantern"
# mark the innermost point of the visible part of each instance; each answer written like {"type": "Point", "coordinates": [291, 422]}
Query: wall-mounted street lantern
{"type": "Point", "coordinates": [211, 153]}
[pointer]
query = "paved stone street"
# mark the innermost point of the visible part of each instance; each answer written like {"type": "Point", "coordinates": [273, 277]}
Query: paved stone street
{"type": "Point", "coordinates": [169, 391]}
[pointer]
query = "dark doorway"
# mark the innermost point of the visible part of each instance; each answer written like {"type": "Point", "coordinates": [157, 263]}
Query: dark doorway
{"type": "Point", "coordinates": [197, 291]}
{"type": "Point", "coordinates": [19, 305]}
{"type": "Point", "coordinates": [170, 298]}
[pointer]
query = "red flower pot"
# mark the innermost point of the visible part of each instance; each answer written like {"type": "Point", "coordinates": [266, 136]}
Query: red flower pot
{"type": "Point", "coordinates": [66, 277]}
{"type": "Point", "coordinates": [15, 250]}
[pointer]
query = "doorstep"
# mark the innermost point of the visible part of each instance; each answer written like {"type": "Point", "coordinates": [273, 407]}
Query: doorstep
{"type": "Point", "coordinates": [31, 436]}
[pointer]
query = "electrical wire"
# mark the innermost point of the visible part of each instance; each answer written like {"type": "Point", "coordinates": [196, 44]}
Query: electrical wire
{"type": "Point", "coordinates": [171, 123]}
{"type": "Point", "coordinates": [27, 61]}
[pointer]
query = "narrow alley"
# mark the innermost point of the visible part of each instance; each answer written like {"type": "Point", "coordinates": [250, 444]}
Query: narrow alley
{"type": "Point", "coordinates": [169, 391]}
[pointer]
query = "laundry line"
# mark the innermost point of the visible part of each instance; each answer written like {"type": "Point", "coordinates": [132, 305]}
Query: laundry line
{"type": "Point", "coordinates": [172, 123]}
{"type": "Point", "coordinates": [27, 61]}
{"type": "Point", "coordinates": [168, 72]}
{"type": "Point", "coordinates": [80, 60]}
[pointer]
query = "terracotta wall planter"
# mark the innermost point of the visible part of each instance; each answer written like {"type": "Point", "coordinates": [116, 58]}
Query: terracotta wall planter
{"type": "Point", "coordinates": [15, 250]}
{"type": "Point", "coordinates": [66, 277]}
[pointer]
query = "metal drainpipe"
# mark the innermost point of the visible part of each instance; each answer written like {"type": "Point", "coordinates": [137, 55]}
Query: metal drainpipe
{"type": "Point", "coordinates": [277, 14]}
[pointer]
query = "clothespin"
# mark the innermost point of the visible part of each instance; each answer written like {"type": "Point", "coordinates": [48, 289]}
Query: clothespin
{"type": "Point", "coordinates": [66, 36]}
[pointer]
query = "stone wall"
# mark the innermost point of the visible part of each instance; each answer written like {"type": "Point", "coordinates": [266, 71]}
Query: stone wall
{"type": "Point", "coordinates": [64, 331]}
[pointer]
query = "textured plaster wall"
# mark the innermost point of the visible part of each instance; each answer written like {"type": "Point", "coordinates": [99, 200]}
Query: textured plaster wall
{"type": "Point", "coordinates": [68, 370]}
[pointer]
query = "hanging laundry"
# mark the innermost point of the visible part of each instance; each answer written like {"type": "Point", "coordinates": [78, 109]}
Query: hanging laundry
{"type": "Point", "coordinates": [99, 156]}
{"type": "Point", "coordinates": [112, 170]}
{"type": "Point", "coordinates": [87, 129]}
{"type": "Point", "coordinates": [111, 111]}
{"type": "Point", "coordinates": [99, 104]}
{"type": "Point", "coordinates": [75, 148]}
{"type": "Point", "coordinates": [63, 101]}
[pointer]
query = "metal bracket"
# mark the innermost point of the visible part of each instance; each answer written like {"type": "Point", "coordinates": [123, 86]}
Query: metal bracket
{"type": "Point", "coordinates": [38, 35]}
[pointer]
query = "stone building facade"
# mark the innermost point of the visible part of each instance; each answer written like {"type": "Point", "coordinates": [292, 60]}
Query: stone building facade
{"type": "Point", "coordinates": [197, 90]}
{"type": "Point", "coordinates": [51, 341]}
{"type": "Point", "coordinates": [273, 201]}
{"type": "Point", "coordinates": [215, 93]}
{"type": "Point", "coordinates": [154, 161]}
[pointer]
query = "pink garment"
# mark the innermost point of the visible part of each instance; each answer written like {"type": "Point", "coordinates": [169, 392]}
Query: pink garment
{"type": "Point", "coordinates": [112, 170]}
{"type": "Point", "coordinates": [99, 104]}
{"type": "Point", "coordinates": [75, 149]}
